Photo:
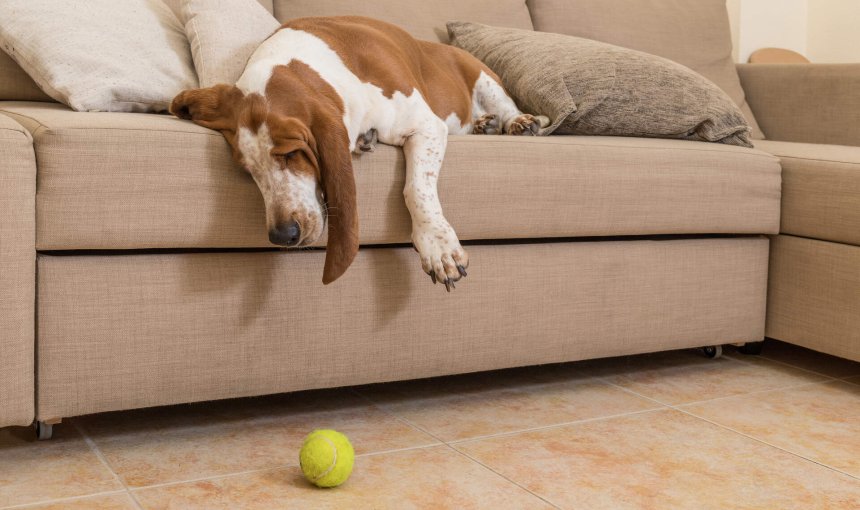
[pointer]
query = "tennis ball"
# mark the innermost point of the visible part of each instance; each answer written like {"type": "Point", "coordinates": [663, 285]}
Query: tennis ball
{"type": "Point", "coordinates": [326, 458]}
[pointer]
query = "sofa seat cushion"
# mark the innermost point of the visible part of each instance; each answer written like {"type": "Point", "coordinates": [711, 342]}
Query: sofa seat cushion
{"type": "Point", "coordinates": [820, 191]}
{"type": "Point", "coordinates": [127, 181]}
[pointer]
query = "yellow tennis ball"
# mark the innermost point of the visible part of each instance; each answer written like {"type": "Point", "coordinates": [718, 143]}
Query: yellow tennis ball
{"type": "Point", "coordinates": [326, 458]}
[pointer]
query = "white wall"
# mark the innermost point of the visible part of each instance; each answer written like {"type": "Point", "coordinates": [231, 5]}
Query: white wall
{"type": "Point", "coordinates": [834, 31]}
{"type": "Point", "coordinates": [823, 30]}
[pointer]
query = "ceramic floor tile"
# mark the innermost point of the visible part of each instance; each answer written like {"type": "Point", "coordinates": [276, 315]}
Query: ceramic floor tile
{"type": "Point", "coordinates": [189, 442]}
{"type": "Point", "coordinates": [437, 478]}
{"type": "Point", "coordinates": [108, 502]}
{"type": "Point", "coordinates": [720, 377]}
{"type": "Point", "coordinates": [661, 459]}
{"type": "Point", "coordinates": [35, 471]}
{"type": "Point", "coordinates": [820, 422]}
{"type": "Point", "coordinates": [807, 359]}
{"type": "Point", "coordinates": [455, 410]}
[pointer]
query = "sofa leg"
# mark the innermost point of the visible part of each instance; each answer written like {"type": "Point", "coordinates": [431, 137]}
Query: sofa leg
{"type": "Point", "coordinates": [713, 351]}
{"type": "Point", "coordinates": [45, 429]}
{"type": "Point", "coordinates": [751, 348]}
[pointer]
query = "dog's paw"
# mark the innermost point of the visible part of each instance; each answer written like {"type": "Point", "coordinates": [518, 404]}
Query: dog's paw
{"type": "Point", "coordinates": [487, 125]}
{"type": "Point", "coordinates": [367, 142]}
{"type": "Point", "coordinates": [442, 256]}
{"type": "Point", "coordinates": [523, 125]}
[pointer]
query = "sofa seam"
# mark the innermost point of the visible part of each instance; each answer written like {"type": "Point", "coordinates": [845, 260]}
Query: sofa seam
{"type": "Point", "coordinates": [819, 160]}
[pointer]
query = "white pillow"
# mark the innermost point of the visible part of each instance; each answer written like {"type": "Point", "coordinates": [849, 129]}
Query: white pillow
{"type": "Point", "coordinates": [100, 55]}
{"type": "Point", "coordinates": [223, 35]}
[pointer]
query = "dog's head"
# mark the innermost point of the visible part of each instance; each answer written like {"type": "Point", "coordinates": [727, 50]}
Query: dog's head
{"type": "Point", "coordinates": [298, 154]}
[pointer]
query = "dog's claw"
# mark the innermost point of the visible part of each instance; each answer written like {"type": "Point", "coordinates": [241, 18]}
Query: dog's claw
{"type": "Point", "coordinates": [462, 271]}
{"type": "Point", "coordinates": [433, 276]}
{"type": "Point", "coordinates": [448, 285]}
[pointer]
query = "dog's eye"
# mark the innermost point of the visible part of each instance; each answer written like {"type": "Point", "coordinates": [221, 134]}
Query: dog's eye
{"type": "Point", "coordinates": [284, 158]}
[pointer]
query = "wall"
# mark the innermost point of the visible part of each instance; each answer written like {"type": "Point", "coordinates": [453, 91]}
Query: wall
{"type": "Point", "coordinates": [834, 31]}
{"type": "Point", "coordinates": [823, 30]}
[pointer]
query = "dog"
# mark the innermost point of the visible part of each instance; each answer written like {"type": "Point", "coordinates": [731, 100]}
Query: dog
{"type": "Point", "coordinates": [322, 88]}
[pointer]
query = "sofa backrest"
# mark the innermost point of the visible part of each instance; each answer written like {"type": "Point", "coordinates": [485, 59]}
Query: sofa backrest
{"type": "Point", "coordinates": [424, 19]}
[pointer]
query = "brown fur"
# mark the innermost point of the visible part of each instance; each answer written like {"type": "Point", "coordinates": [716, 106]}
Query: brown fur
{"type": "Point", "coordinates": [388, 57]}
{"type": "Point", "coordinates": [304, 113]}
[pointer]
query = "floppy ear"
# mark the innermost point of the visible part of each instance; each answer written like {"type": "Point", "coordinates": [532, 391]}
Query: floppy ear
{"type": "Point", "coordinates": [212, 107]}
{"type": "Point", "coordinates": [338, 181]}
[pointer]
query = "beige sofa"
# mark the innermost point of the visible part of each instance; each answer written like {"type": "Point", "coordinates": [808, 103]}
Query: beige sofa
{"type": "Point", "coordinates": [157, 285]}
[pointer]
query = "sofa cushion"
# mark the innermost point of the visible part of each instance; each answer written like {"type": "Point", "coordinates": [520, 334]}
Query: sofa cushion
{"type": "Point", "coordinates": [118, 181]}
{"type": "Point", "coordinates": [421, 18]}
{"type": "Point", "coordinates": [695, 33]}
{"type": "Point", "coordinates": [820, 190]}
{"type": "Point", "coordinates": [588, 87]}
{"type": "Point", "coordinates": [17, 273]}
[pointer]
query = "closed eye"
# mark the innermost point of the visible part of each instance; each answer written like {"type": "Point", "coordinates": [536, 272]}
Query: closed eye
{"type": "Point", "coordinates": [284, 158]}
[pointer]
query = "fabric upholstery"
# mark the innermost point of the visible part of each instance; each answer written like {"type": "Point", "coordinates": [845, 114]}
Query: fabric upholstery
{"type": "Point", "coordinates": [811, 103]}
{"type": "Point", "coordinates": [588, 87]}
{"type": "Point", "coordinates": [15, 84]}
{"type": "Point", "coordinates": [17, 273]}
{"type": "Point", "coordinates": [120, 56]}
{"type": "Point", "coordinates": [695, 33]}
{"type": "Point", "coordinates": [223, 35]}
{"type": "Point", "coordinates": [820, 190]}
{"type": "Point", "coordinates": [118, 181]}
{"type": "Point", "coordinates": [814, 295]}
{"type": "Point", "coordinates": [423, 19]}
{"type": "Point", "coordinates": [208, 326]}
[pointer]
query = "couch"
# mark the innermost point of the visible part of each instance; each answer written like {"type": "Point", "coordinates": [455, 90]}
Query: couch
{"type": "Point", "coordinates": [138, 271]}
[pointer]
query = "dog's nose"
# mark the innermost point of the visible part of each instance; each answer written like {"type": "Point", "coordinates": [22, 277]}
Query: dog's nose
{"type": "Point", "coordinates": [286, 234]}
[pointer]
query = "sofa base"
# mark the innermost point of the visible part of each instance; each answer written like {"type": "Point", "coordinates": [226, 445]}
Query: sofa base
{"type": "Point", "coordinates": [814, 295]}
{"type": "Point", "coordinates": [128, 331]}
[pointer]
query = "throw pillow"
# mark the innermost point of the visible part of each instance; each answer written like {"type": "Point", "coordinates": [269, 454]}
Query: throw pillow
{"type": "Point", "coordinates": [591, 88]}
{"type": "Point", "coordinates": [695, 33]}
{"type": "Point", "coordinates": [223, 34]}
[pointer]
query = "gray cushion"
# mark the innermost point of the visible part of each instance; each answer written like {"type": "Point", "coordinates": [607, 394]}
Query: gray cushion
{"type": "Point", "coordinates": [591, 88]}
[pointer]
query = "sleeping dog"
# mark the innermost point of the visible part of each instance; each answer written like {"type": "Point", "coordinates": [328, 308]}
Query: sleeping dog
{"type": "Point", "coordinates": [321, 88]}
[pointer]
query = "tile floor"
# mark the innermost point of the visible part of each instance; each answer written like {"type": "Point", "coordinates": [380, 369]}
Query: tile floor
{"type": "Point", "coordinates": [661, 431]}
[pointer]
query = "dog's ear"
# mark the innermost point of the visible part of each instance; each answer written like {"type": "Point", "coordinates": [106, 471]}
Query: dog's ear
{"type": "Point", "coordinates": [338, 181]}
{"type": "Point", "coordinates": [212, 107]}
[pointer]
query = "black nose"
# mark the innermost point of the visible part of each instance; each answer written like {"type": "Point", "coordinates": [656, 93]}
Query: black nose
{"type": "Point", "coordinates": [286, 234]}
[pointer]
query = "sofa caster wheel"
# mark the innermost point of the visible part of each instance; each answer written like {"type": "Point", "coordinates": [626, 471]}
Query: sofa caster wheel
{"type": "Point", "coordinates": [751, 348]}
{"type": "Point", "coordinates": [44, 431]}
{"type": "Point", "coordinates": [713, 351]}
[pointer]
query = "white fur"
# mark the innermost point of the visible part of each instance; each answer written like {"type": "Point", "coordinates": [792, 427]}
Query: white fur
{"type": "Point", "coordinates": [400, 120]}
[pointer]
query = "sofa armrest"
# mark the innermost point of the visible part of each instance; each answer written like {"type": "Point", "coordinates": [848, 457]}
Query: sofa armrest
{"type": "Point", "coordinates": [17, 273]}
{"type": "Point", "coordinates": [812, 103]}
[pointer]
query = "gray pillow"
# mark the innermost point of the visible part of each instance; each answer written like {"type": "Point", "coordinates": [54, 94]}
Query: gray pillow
{"type": "Point", "coordinates": [587, 87]}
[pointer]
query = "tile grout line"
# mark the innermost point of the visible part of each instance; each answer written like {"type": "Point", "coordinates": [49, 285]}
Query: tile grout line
{"type": "Point", "coordinates": [730, 429]}
{"type": "Point", "coordinates": [24, 506]}
{"type": "Point", "coordinates": [662, 407]}
{"type": "Point", "coordinates": [491, 470]}
{"type": "Point", "coordinates": [762, 441]}
{"type": "Point", "coordinates": [445, 444]}
{"type": "Point", "coordinates": [98, 453]}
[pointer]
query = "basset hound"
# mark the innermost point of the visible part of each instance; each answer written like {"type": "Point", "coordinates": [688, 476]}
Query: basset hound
{"type": "Point", "coordinates": [319, 89]}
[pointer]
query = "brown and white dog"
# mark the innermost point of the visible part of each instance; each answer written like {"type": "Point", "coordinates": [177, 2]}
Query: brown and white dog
{"type": "Point", "coordinates": [320, 86]}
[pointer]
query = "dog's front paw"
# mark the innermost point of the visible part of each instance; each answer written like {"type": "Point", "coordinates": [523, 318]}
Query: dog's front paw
{"type": "Point", "coordinates": [486, 125]}
{"type": "Point", "coordinates": [524, 125]}
{"type": "Point", "coordinates": [442, 256]}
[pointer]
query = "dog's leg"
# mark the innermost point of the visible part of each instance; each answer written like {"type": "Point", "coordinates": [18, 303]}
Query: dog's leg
{"type": "Point", "coordinates": [442, 256]}
{"type": "Point", "coordinates": [492, 98]}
